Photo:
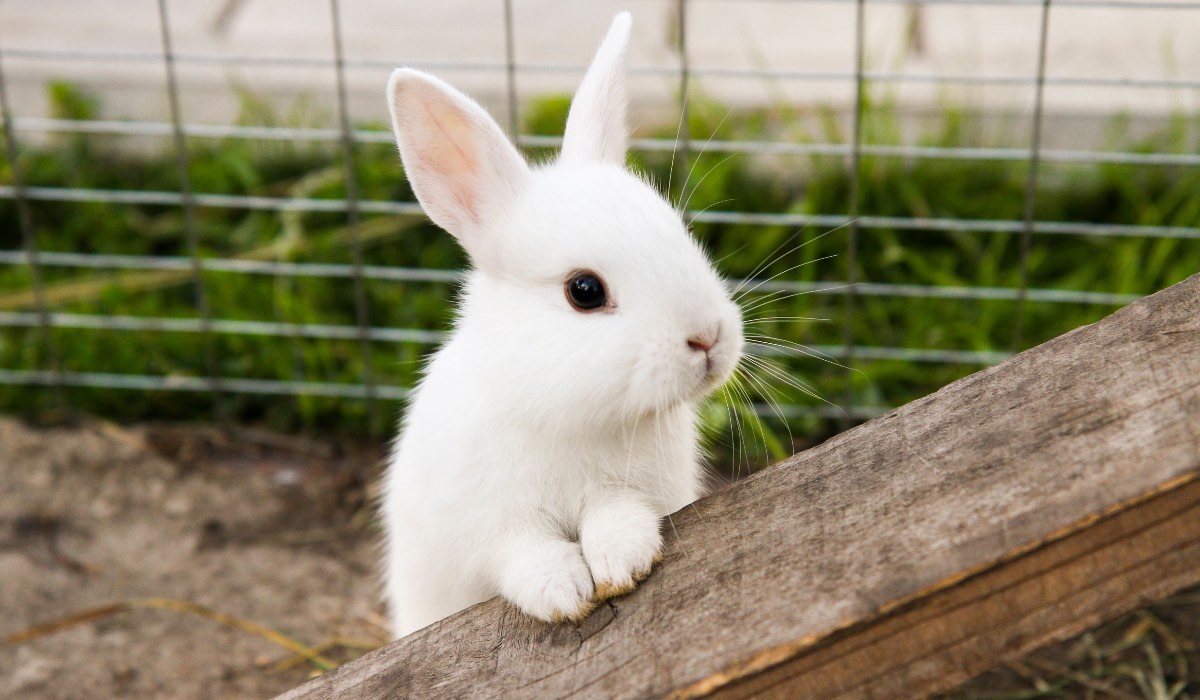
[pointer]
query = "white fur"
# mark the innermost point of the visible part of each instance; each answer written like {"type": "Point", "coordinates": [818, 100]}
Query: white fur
{"type": "Point", "coordinates": [543, 445]}
{"type": "Point", "coordinates": [596, 125]}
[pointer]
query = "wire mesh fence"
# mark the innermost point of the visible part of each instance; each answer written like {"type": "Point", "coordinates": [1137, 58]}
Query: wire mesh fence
{"type": "Point", "coordinates": [994, 275]}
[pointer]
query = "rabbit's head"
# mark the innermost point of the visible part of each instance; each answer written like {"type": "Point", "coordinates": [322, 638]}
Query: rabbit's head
{"type": "Point", "coordinates": [589, 303]}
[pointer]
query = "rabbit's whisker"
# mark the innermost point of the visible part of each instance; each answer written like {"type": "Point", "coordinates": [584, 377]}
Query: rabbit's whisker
{"type": "Point", "coordinates": [765, 319]}
{"type": "Point", "coordinates": [770, 260]}
{"type": "Point", "coordinates": [700, 155]}
{"type": "Point", "coordinates": [675, 146]}
{"type": "Point", "coordinates": [765, 300]}
{"type": "Point", "coordinates": [766, 393]}
{"type": "Point", "coordinates": [735, 403]}
{"type": "Point", "coordinates": [696, 187]}
{"type": "Point", "coordinates": [749, 416]}
{"type": "Point", "coordinates": [776, 255]}
{"type": "Point", "coordinates": [799, 349]}
{"type": "Point", "coordinates": [730, 414]}
{"type": "Point", "coordinates": [693, 219]}
{"type": "Point", "coordinates": [784, 272]}
{"type": "Point", "coordinates": [731, 254]}
{"type": "Point", "coordinates": [778, 373]}
{"type": "Point", "coordinates": [774, 370]}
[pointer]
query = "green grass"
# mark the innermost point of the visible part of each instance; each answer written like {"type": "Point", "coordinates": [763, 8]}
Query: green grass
{"type": "Point", "coordinates": [1124, 194]}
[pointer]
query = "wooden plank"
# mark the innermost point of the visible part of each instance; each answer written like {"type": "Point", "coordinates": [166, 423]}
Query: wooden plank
{"type": "Point", "coordinates": [940, 640]}
{"type": "Point", "coordinates": [1012, 508]}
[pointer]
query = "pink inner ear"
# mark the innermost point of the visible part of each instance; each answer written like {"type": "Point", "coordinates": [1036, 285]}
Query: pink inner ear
{"type": "Point", "coordinates": [461, 167]}
{"type": "Point", "coordinates": [453, 157]}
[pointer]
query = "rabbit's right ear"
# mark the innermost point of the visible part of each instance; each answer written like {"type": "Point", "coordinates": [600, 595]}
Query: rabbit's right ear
{"type": "Point", "coordinates": [461, 166]}
{"type": "Point", "coordinates": [596, 123]}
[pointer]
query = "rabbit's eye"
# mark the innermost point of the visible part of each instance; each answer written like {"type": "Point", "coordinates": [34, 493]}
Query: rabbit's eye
{"type": "Point", "coordinates": [585, 291]}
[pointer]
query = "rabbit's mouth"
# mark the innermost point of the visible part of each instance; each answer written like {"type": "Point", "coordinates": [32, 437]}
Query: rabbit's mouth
{"type": "Point", "coordinates": [713, 379]}
{"type": "Point", "coordinates": [716, 371]}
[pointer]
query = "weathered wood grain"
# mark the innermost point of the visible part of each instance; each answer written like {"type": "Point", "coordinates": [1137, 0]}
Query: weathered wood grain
{"type": "Point", "coordinates": [937, 641]}
{"type": "Point", "coordinates": [1011, 508]}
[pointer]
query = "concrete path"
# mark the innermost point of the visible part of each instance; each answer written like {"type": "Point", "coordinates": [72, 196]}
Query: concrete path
{"type": "Point", "coordinates": [798, 36]}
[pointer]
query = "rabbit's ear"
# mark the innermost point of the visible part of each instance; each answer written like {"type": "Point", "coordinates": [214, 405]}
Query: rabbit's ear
{"type": "Point", "coordinates": [462, 167]}
{"type": "Point", "coordinates": [596, 125]}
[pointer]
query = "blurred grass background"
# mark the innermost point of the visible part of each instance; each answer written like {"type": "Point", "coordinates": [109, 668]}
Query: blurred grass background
{"type": "Point", "coordinates": [888, 186]}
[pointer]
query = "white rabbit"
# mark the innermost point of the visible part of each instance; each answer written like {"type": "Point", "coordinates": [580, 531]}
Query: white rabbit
{"type": "Point", "coordinates": [557, 425]}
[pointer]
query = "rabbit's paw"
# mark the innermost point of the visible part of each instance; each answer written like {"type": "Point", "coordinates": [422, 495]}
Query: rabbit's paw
{"type": "Point", "coordinates": [621, 543]}
{"type": "Point", "coordinates": [547, 578]}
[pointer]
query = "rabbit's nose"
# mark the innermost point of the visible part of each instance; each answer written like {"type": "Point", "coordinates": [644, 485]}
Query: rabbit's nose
{"type": "Point", "coordinates": [703, 342]}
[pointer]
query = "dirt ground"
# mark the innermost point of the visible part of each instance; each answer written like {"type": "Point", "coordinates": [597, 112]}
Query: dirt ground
{"type": "Point", "coordinates": [268, 529]}
{"type": "Point", "coordinates": [277, 531]}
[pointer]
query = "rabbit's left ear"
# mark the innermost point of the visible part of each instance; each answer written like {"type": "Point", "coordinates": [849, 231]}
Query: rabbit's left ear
{"type": "Point", "coordinates": [462, 168]}
{"type": "Point", "coordinates": [596, 125]}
